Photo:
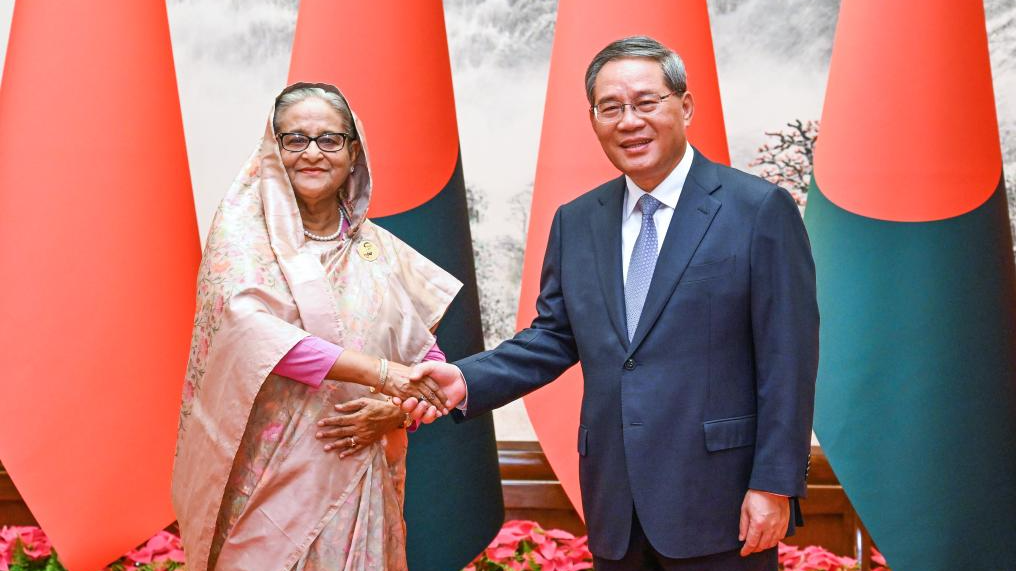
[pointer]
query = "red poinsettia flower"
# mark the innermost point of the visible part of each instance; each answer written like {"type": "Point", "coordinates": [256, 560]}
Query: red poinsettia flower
{"type": "Point", "coordinates": [524, 546]}
{"type": "Point", "coordinates": [820, 559]}
{"type": "Point", "coordinates": [33, 541]}
{"type": "Point", "coordinates": [164, 546]}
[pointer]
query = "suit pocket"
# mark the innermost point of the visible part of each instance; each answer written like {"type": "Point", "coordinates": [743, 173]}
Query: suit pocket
{"type": "Point", "coordinates": [729, 433]}
{"type": "Point", "coordinates": [583, 440]}
{"type": "Point", "coordinates": [708, 270]}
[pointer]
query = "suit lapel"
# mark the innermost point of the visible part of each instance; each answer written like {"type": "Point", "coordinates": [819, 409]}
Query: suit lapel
{"type": "Point", "coordinates": [606, 228]}
{"type": "Point", "coordinates": [694, 213]}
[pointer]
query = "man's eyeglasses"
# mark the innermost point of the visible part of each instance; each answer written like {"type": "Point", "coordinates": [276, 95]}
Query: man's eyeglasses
{"type": "Point", "coordinates": [327, 142]}
{"type": "Point", "coordinates": [612, 111]}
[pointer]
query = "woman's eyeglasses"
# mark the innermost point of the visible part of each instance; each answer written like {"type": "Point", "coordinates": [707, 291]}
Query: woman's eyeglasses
{"type": "Point", "coordinates": [327, 142]}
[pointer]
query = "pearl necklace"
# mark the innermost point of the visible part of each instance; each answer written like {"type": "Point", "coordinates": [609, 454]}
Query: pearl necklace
{"type": "Point", "coordinates": [329, 237]}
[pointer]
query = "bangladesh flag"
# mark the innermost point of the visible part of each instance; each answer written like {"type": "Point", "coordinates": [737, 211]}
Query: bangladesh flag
{"type": "Point", "coordinates": [390, 59]}
{"type": "Point", "coordinates": [916, 396]}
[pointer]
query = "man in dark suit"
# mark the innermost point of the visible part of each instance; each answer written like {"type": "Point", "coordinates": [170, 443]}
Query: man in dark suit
{"type": "Point", "coordinates": [686, 290]}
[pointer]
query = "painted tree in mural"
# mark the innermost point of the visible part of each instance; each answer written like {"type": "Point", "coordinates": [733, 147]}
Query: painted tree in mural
{"type": "Point", "coordinates": [498, 259]}
{"type": "Point", "coordinates": [786, 160]}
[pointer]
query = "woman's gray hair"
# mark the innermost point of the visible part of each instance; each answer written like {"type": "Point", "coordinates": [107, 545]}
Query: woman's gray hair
{"type": "Point", "coordinates": [639, 47]}
{"type": "Point", "coordinates": [336, 100]}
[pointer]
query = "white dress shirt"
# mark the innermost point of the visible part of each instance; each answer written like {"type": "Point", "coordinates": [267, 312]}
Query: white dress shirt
{"type": "Point", "coordinates": [667, 192]}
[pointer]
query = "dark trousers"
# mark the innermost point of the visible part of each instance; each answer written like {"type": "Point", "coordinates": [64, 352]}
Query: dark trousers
{"type": "Point", "coordinates": [642, 557]}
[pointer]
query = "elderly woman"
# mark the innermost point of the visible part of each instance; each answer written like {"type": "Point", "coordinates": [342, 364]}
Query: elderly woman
{"type": "Point", "coordinates": [304, 307]}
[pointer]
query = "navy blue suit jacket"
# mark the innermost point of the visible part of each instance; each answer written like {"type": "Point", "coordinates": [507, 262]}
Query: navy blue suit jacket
{"type": "Point", "coordinates": [713, 396]}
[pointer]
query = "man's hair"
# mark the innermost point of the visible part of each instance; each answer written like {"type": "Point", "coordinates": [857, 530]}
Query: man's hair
{"type": "Point", "coordinates": [639, 47]}
{"type": "Point", "coordinates": [336, 100]}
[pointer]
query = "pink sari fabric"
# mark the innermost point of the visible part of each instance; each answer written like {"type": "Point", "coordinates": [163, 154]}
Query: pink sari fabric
{"type": "Point", "coordinates": [252, 487]}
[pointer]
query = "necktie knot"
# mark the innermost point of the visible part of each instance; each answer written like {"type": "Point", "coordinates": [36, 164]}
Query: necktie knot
{"type": "Point", "coordinates": [649, 205]}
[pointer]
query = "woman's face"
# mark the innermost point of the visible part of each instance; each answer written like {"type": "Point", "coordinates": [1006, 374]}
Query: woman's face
{"type": "Point", "coordinates": [316, 175]}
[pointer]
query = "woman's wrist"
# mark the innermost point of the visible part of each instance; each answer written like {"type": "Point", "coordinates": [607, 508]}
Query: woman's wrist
{"type": "Point", "coordinates": [367, 371]}
{"type": "Point", "coordinates": [396, 417]}
{"type": "Point", "coordinates": [403, 421]}
{"type": "Point", "coordinates": [382, 376]}
{"type": "Point", "coordinates": [356, 367]}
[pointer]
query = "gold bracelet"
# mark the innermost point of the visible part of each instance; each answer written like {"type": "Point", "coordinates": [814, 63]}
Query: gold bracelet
{"type": "Point", "coordinates": [382, 375]}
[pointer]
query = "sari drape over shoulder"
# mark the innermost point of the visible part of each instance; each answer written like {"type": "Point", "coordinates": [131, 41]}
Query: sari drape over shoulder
{"type": "Point", "coordinates": [252, 487]}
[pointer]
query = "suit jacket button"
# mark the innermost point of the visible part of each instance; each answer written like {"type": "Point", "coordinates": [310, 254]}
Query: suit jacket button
{"type": "Point", "coordinates": [629, 365]}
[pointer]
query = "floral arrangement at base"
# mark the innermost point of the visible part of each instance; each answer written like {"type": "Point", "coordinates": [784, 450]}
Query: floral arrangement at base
{"type": "Point", "coordinates": [815, 558]}
{"type": "Point", "coordinates": [28, 549]}
{"type": "Point", "coordinates": [525, 546]}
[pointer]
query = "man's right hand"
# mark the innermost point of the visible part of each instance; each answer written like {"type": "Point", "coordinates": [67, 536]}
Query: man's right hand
{"type": "Point", "coordinates": [447, 376]}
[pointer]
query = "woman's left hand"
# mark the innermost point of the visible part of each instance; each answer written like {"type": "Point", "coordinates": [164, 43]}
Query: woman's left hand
{"type": "Point", "coordinates": [359, 423]}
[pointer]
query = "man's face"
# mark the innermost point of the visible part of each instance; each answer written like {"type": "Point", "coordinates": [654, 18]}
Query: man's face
{"type": "Point", "coordinates": [644, 148]}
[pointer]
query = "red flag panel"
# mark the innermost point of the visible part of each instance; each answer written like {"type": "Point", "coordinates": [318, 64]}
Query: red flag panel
{"type": "Point", "coordinates": [99, 245]}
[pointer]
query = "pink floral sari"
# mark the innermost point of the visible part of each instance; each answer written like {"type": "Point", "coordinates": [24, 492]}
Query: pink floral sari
{"type": "Point", "coordinates": [252, 487]}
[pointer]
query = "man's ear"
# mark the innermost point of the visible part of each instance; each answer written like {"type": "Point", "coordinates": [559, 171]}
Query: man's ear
{"type": "Point", "coordinates": [687, 107]}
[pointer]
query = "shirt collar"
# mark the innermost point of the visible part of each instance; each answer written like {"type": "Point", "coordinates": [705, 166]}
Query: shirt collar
{"type": "Point", "coordinates": [667, 192]}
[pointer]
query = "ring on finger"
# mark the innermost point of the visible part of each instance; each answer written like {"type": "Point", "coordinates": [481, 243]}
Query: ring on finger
{"type": "Point", "coordinates": [352, 442]}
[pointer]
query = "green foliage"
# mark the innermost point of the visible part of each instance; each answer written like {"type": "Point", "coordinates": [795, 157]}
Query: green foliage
{"type": "Point", "coordinates": [22, 562]}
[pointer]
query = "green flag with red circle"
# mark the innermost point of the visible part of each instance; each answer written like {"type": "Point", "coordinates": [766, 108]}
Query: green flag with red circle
{"type": "Point", "coordinates": [916, 395]}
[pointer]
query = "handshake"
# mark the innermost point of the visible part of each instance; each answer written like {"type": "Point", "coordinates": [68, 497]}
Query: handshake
{"type": "Point", "coordinates": [447, 384]}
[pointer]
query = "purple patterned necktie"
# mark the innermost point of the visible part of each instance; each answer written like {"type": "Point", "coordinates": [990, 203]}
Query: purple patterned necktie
{"type": "Point", "coordinates": [642, 264]}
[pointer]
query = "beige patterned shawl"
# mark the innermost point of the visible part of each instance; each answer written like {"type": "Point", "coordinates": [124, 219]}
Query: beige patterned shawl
{"type": "Point", "coordinates": [252, 487]}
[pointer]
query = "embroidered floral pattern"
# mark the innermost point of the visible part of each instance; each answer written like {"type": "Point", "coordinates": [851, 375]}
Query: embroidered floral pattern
{"type": "Point", "coordinates": [236, 255]}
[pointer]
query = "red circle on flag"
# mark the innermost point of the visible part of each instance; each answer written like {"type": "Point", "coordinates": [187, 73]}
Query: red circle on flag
{"type": "Point", "coordinates": [390, 59]}
{"type": "Point", "coordinates": [909, 132]}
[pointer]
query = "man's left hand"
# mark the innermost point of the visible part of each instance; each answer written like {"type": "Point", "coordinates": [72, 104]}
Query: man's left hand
{"type": "Point", "coordinates": [764, 521]}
